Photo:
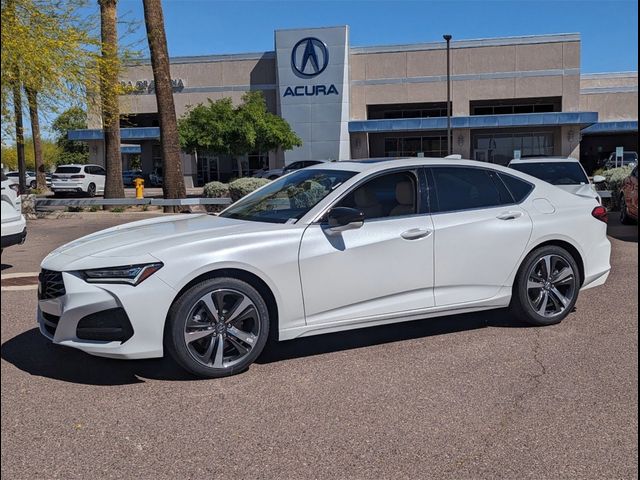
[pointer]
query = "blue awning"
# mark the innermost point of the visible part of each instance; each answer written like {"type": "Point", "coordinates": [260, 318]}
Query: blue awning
{"type": "Point", "coordinates": [476, 122]}
{"type": "Point", "coordinates": [136, 133]}
{"type": "Point", "coordinates": [611, 127]}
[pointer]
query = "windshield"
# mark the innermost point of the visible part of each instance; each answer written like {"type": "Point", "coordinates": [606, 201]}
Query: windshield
{"type": "Point", "coordinates": [289, 197]}
{"type": "Point", "coordinates": [68, 170]}
{"type": "Point", "coordinates": [556, 173]}
{"type": "Point", "coordinates": [630, 157]}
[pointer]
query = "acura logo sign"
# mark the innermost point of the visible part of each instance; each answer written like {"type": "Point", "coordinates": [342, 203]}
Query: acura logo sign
{"type": "Point", "coordinates": [309, 57]}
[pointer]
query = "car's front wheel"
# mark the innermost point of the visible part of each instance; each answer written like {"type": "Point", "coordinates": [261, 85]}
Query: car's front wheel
{"type": "Point", "coordinates": [217, 327]}
{"type": "Point", "coordinates": [546, 287]}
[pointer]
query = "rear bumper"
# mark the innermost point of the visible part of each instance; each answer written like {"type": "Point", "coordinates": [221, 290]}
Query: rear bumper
{"type": "Point", "coordinates": [66, 187]}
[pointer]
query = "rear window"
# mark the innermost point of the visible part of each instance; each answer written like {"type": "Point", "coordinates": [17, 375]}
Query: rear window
{"type": "Point", "coordinates": [68, 170]}
{"type": "Point", "coordinates": [518, 188]}
{"type": "Point", "coordinates": [556, 173]}
{"type": "Point", "coordinates": [460, 188]}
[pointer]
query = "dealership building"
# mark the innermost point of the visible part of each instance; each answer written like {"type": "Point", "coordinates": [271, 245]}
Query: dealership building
{"type": "Point", "coordinates": [509, 96]}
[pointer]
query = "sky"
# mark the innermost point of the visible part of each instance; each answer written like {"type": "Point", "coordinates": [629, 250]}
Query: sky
{"type": "Point", "coordinates": [609, 28]}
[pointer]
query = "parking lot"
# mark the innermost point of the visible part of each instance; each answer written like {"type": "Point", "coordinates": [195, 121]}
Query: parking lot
{"type": "Point", "coordinates": [468, 396]}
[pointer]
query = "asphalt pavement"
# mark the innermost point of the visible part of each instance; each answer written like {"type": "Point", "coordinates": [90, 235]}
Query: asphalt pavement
{"type": "Point", "coordinates": [468, 396]}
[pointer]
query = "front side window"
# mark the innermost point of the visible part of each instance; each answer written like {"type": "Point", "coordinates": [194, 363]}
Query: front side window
{"type": "Point", "coordinates": [391, 195]}
{"type": "Point", "coordinates": [556, 173]}
{"type": "Point", "coordinates": [288, 198]}
{"type": "Point", "coordinates": [460, 188]}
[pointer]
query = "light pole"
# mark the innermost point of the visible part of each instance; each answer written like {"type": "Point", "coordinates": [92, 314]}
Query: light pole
{"type": "Point", "coordinates": [448, 40]}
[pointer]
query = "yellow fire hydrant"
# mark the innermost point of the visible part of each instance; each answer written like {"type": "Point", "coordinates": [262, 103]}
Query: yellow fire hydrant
{"type": "Point", "coordinates": [139, 183]}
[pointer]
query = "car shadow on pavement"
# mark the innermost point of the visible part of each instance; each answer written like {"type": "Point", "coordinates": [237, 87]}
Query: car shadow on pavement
{"type": "Point", "coordinates": [34, 354]}
{"type": "Point", "coordinates": [369, 336]}
{"type": "Point", "coordinates": [625, 233]}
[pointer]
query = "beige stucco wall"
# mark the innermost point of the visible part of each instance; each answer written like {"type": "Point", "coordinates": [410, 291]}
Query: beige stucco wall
{"type": "Point", "coordinates": [532, 70]}
{"type": "Point", "coordinates": [613, 95]}
{"type": "Point", "coordinates": [226, 78]}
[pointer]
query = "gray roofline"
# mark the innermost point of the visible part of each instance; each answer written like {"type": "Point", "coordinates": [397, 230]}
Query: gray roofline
{"type": "Point", "coordinates": [472, 43]}
{"type": "Point", "coordinates": [479, 42]}
{"type": "Point", "coordinates": [600, 75]}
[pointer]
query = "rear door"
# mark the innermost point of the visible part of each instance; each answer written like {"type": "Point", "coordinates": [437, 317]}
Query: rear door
{"type": "Point", "coordinates": [480, 233]}
{"type": "Point", "coordinates": [99, 175]}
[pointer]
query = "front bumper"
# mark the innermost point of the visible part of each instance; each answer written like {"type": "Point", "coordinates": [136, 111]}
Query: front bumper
{"type": "Point", "coordinates": [14, 232]}
{"type": "Point", "coordinates": [146, 307]}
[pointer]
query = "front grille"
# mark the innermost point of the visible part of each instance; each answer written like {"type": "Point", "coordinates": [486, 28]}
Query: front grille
{"type": "Point", "coordinates": [50, 322]}
{"type": "Point", "coordinates": [51, 285]}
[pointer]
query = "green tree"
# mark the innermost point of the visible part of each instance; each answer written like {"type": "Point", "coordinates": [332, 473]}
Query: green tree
{"type": "Point", "coordinates": [50, 155]}
{"type": "Point", "coordinates": [71, 151]}
{"type": "Point", "coordinates": [220, 128]}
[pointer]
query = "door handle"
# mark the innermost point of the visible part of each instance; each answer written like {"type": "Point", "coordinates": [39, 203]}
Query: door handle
{"type": "Point", "coordinates": [509, 215]}
{"type": "Point", "coordinates": [415, 234]}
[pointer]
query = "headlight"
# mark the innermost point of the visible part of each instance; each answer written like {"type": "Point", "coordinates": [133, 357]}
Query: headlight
{"type": "Point", "coordinates": [129, 274]}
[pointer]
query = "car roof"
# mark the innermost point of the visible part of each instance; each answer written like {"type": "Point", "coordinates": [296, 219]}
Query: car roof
{"type": "Point", "coordinates": [544, 160]}
{"type": "Point", "coordinates": [80, 165]}
{"type": "Point", "coordinates": [386, 163]}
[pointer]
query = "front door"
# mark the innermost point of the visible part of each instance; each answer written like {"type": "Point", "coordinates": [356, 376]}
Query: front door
{"type": "Point", "coordinates": [377, 270]}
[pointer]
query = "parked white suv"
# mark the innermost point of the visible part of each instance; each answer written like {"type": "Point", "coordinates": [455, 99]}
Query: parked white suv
{"type": "Point", "coordinates": [88, 179]}
{"type": "Point", "coordinates": [14, 226]}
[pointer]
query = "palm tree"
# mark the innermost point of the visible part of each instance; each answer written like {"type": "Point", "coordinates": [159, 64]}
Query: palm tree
{"type": "Point", "coordinates": [173, 182]}
{"type": "Point", "coordinates": [109, 99]}
{"type": "Point", "coordinates": [32, 100]}
{"type": "Point", "coordinates": [17, 108]}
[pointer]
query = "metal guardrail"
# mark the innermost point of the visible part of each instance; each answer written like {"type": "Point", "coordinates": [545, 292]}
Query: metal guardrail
{"type": "Point", "coordinates": [41, 203]}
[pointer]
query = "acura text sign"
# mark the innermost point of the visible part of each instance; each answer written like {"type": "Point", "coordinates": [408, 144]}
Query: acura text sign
{"type": "Point", "coordinates": [313, 67]}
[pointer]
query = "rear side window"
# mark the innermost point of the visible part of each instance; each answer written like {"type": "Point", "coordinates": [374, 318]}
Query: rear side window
{"type": "Point", "coordinates": [518, 188]}
{"type": "Point", "coordinates": [460, 188]}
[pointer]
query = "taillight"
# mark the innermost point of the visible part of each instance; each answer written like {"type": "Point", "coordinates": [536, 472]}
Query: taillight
{"type": "Point", "coordinates": [77, 176]}
{"type": "Point", "coordinates": [600, 213]}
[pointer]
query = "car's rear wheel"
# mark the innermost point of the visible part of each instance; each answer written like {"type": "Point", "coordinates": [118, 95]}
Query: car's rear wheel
{"type": "Point", "coordinates": [33, 184]}
{"type": "Point", "coordinates": [625, 219]}
{"type": "Point", "coordinates": [217, 327]}
{"type": "Point", "coordinates": [91, 190]}
{"type": "Point", "coordinates": [546, 287]}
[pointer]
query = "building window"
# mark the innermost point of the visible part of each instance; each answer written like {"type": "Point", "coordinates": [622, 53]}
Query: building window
{"type": "Point", "coordinates": [407, 110]}
{"type": "Point", "coordinates": [499, 147]}
{"type": "Point", "coordinates": [432, 146]}
{"type": "Point", "coordinates": [258, 161]}
{"type": "Point", "coordinates": [511, 106]}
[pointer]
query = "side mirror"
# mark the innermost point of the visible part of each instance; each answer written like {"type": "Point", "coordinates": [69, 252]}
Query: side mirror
{"type": "Point", "coordinates": [599, 179]}
{"type": "Point", "coordinates": [340, 219]}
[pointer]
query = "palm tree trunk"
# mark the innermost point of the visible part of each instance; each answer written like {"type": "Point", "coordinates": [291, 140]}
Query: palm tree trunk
{"type": "Point", "coordinates": [173, 184]}
{"type": "Point", "coordinates": [32, 100]}
{"type": "Point", "coordinates": [17, 108]}
{"type": "Point", "coordinates": [113, 187]}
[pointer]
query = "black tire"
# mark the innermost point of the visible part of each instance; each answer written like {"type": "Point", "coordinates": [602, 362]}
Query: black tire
{"type": "Point", "coordinates": [181, 312]}
{"type": "Point", "coordinates": [33, 184]}
{"type": "Point", "coordinates": [522, 301]}
{"type": "Point", "coordinates": [91, 190]}
{"type": "Point", "coordinates": [625, 219]}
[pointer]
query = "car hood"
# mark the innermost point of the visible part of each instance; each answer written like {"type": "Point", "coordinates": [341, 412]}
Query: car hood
{"type": "Point", "coordinates": [137, 242]}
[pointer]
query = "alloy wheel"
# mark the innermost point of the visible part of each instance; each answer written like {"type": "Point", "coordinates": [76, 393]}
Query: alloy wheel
{"type": "Point", "coordinates": [222, 328]}
{"type": "Point", "coordinates": [551, 285]}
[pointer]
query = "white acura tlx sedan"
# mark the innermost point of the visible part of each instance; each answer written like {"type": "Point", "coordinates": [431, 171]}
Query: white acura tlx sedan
{"type": "Point", "coordinates": [331, 247]}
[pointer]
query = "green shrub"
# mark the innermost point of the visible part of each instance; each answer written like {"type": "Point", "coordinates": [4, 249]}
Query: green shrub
{"type": "Point", "coordinates": [95, 208]}
{"type": "Point", "coordinates": [243, 186]}
{"type": "Point", "coordinates": [215, 190]}
{"type": "Point", "coordinates": [615, 177]}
